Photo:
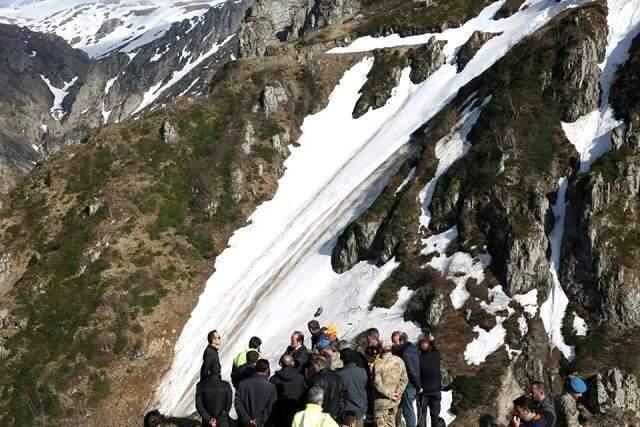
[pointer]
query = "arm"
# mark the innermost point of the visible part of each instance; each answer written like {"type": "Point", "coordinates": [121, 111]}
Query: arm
{"type": "Point", "coordinates": [228, 400]}
{"type": "Point", "coordinates": [302, 360]}
{"type": "Point", "coordinates": [378, 382]}
{"type": "Point", "coordinates": [206, 416]}
{"type": "Point", "coordinates": [241, 410]}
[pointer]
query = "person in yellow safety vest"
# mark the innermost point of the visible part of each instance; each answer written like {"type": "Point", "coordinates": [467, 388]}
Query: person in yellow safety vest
{"type": "Point", "coordinates": [313, 416]}
{"type": "Point", "coordinates": [241, 358]}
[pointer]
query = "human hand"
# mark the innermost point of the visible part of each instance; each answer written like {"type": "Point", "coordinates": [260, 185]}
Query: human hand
{"type": "Point", "coordinates": [253, 423]}
{"type": "Point", "coordinates": [515, 422]}
{"type": "Point", "coordinates": [396, 396]}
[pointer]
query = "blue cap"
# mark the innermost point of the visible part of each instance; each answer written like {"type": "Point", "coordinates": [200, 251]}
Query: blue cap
{"type": "Point", "coordinates": [323, 342]}
{"type": "Point", "coordinates": [577, 384]}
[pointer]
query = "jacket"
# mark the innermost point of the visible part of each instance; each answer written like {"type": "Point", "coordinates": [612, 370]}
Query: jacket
{"type": "Point", "coordinates": [242, 373]}
{"type": "Point", "coordinates": [313, 416]}
{"type": "Point", "coordinates": [300, 356]}
{"type": "Point", "coordinates": [241, 358]}
{"type": "Point", "coordinates": [355, 381]}
{"type": "Point", "coordinates": [210, 363]}
{"type": "Point", "coordinates": [290, 388]}
{"type": "Point", "coordinates": [213, 400]}
{"type": "Point", "coordinates": [411, 358]}
{"type": "Point", "coordinates": [548, 411]}
{"type": "Point", "coordinates": [389, 377]}
{"type": "Point", "coordinates": [334, 392]}
{"type": "Point", "coordinates": [254, 400]}
{"type": "Point", "coordinates": [567, 415]}
{"type": "Point", "coordinates": [430, 377]}
{"type": "Point", "coordinates": [537, 421]}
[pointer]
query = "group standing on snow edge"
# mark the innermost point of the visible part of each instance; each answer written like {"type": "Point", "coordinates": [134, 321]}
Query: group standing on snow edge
{"type": "Point", "coordinates": [381, 385]}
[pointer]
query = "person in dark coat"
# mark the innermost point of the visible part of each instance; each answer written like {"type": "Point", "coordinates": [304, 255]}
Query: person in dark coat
{"type": "Point", "coordinates": [316, 333]}
{"type": "Point", "coordinates": [331, 383]}
{"type": "Point", "coordinates": [298, 351]}
{"type": "Point", "coordinates": [210, 359]}
{"type": "Point", "coordinates": [355, 381]}
{"type": "Point", "coordinates": [408, 352]}
{"type": "Point", "coordinates": [213, 401]}
{"type": "Point", "coordinates": [525, 415]}
{"type": "Point", "coordinates": [255, 397]}
{"type": "Point", "coordinates": [430, 380]}
{"type": "Point", "coordinates": [544, 405]}
{"type": "Point", "coordinates": [290, 386]}
{"type": "Point", "coordinates": [247, 370]}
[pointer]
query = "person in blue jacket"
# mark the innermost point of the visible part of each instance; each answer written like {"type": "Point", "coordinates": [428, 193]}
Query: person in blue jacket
{"type": "Point", "coordinates": [409, 354]}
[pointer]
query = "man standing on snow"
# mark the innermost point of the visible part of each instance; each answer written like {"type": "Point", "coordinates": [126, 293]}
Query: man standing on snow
{"type": "Point", "coordinates": [210, 358]}
{"type": "Point", "coordinates": [241, 358]}
{"type": "Point", "coordinates": [298, 351]}
{"type": "Point", "coordinates": [355, 381]}
{"type": "Point", "coordinates": [316, 333]}
{"type": "Point", "coordinates": [213, 401]}
{"type": "Point", "coordinates": [408, 352]}
{"type": "Point", "coordinates": [389, 380]}
{"type": "Point", "coordinates": [430, 380]}
{"type": "Point", "coordinates": [544, 405]}
{"type": "Point", "coordinates": [290, 387]}
{"type": "Point", "coordinates": [255, 397]}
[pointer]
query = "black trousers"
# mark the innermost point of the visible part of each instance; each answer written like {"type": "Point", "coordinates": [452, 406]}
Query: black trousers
{"type": "Point", "coordinates": [429, 406]}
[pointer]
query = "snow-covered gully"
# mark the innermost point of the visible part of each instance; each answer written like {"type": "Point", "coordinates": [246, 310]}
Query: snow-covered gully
{"type": "Point", "coordinates": [277, 271]}
{"type": "Point", "coordinates": [591, 136]}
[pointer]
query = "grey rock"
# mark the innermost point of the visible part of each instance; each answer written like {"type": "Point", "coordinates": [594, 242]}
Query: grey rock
{"type": "Point", "coordinates": [237, 184]}
{"type": "Point", "coordinates": [248, 137]}
{"type": "Point", "coordinates": [612, 391]}
{"type": "Point", "coordinates": [354, 244]}
{"type": "Point", "coordinates": [93, 207]}
{"type": "Point", "coordinates": [426, 59]}
{"type": "Point", "coordinates": [169, 133]}
{"type": "Point", "coordinates": [471, 47]}
{"type": "Point", "coordinates": [271, 97]}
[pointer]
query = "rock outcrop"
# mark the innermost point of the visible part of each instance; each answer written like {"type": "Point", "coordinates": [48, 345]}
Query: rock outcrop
{"type": "Point", "coordinates": [613, 392]}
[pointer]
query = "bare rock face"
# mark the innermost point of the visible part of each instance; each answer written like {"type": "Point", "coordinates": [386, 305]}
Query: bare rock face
{"type": "Point", "coordinates": [354, 245]}
{"type": "Point", "coordinates": [471, 47]}
{"type": "Point", "coordinates": [271, 96]}
{"type": "Point", "coordinates": [426, 59]}
{"type": "Point", "coordinates": [169, 133]}
{"type": "Point", "coordinates": [613, 391]}
{"type": "Point", "coordinates": [248, 137]}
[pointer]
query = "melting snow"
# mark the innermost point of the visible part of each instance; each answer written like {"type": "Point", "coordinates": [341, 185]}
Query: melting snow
{"type": "Point", "coordinates": [499, 302]}
{"type": "Point", "coordinates": [282, 257]}
{"type": "Point", "coordinates": [522, 324]}
{"type": "Point", "coordinates": [58, 96]}
{"type": "Point", "coordinates": [156, 90]}
{"type": "Point", "coordinates": [579, 325]}
{"type": "Point", "coordinates": [407, 180]}
{"type": "Point", "coordinates": [109, 84]}
{"type": "Point", "coordinates": [486, 343]}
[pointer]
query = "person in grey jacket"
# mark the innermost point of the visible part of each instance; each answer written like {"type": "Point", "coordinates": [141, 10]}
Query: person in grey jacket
{"type": "Point", "coordinates": [355, 381]}
{"type": "Point", "coordinates": [544, 405]}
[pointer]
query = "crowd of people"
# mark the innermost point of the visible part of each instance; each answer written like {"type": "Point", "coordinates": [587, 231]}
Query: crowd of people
{"type": "Point", "coordinates": [336, 383]}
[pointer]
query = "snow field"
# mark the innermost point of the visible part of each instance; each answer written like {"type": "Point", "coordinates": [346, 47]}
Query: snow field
{"type": "Point", "coordinates": [276, 270]}
{"type": "Point", "coordinates": [59, 94]}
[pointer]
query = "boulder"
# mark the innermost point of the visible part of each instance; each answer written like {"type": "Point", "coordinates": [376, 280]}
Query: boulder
{"type": "Point", "coordinates": [614, 391]}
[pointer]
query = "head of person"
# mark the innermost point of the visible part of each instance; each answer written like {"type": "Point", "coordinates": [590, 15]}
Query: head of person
{"type": "Point", "coordinates": [286, 361]}
{"type": "Point", "coordinates": [398, 339]}
{"type": "Point", "coordinates": [214, 339]}
{"type": "Point", "coordinates": [319, 363]}
{"type": "Point", "coordinates": [424, 344]}
{"type": "Point", "coordinates": [525, 408]}
{"type": "Point", "coordinates": [323, 343]}
{"type": "Point", "coordinates": [297, 339]}
{"type": "Point", "coordinates": [262, 367]}
{"type": "Point", "coordinates": [255, 343]}
{"type": "Point", "coordinates": [577, 386]}
{"type": "Point", "coordinates": [332, 333]}
{"type": "Point", "coordinates": [348, 355]}
{"type": "Point", "coordinates": [252, 357]}
{"type": "Point", "coordinates": [373, 337]}
{"type": "Point", "coordinates": [314, 326]}
{"type": "Point", "coordinates": [349, 419]}
{"type": "Point", "coordinates": [315, 395]}
{"type": "Point", "coordinates": [537, 391]}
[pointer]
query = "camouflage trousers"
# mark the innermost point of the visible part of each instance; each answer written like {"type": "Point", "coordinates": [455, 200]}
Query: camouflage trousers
{"type": "Point", "coordinates": [385, 417]}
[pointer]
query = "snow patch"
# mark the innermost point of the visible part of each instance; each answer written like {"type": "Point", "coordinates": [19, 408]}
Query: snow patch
{"type": "Point", "coordinates": [57, 111]}
{"type": "Point", "coordinates": [528, 301]}
{"type": "Point", "coordinates": [109, 84]}
{"type": "Point", "coordinates": [580, 327]}
{"type": "Point", "coordinates": [407, 180]}
{"type": "Point", "coordinates": [485, 343]}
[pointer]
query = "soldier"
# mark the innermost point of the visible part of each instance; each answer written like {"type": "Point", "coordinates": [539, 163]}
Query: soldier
{"type": "Point", "coordinates": [390, 379]}
{"type": "Point", "coordinates": [568, 405]}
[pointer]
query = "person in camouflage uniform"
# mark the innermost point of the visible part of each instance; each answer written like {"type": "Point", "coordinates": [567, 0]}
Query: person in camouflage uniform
{"type": "Point", "coordinates": [389, 379]}
{"type": "Point", "coordinates": [567, 406]}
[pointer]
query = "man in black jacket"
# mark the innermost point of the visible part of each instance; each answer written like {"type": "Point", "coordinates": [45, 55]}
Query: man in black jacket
{"type": "Point", "coordinates": [290, 387]}
{"type": "Point", "coordinates": [210, 358]}
{"type": "Point", "coordinates": [355, 381]}
{"type": "Point", "coordinates": [430, 380]}
{"type": "Point", "coordinates": [247, 370]}
{"type": "Point", "coordinates": [255, 397]}
{"type": "Point", "coordinates": [213, 401]}
{"type": "Point", "coordinates": [298, 351]}
{"type": "Point", "coordinates": [331, 383]}
{"type": "Point", "coordinates": [408, 352]}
